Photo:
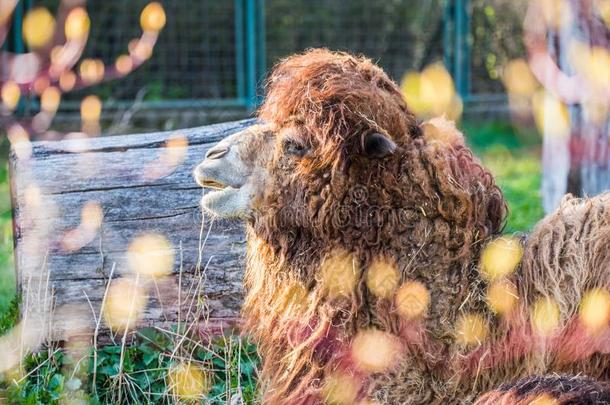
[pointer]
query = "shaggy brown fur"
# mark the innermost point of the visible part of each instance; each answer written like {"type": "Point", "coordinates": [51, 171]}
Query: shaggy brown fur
{"type": "Point", "coordinates": [549, 390]}
{"type": "Point", "coordinates": [429, 207]}
{"type": "Point", "coordinates": [426, 211]}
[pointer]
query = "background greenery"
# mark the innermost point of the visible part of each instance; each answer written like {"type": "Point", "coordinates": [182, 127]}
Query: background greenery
{"type": "Point", "coordinates": [53, 376]}
{"type": "Point", "coordinates": [7, 273]}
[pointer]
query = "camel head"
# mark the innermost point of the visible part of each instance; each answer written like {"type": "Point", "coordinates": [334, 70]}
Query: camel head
{"type": "Point", "coordinates": [238, 169]}
{"type": "Point", "coordinates": [234, 172]}
{"type": "Point", "coordinates": [342, 163]}
{"type": "Point", "coordinates": [328, 117]}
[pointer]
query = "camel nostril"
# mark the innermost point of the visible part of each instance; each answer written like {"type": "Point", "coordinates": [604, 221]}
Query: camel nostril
{"type": "Point", "coordinates": [217, 152]}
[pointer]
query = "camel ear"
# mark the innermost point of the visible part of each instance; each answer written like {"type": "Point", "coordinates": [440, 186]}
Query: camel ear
{"type": "Point", "coordinates": [377, 146]}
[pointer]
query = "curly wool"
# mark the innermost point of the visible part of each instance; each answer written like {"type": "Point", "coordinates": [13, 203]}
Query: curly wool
{"type": "Point", "coordinates": [552, 389]}
{"type": "Point", "coordinates": [427, 209]}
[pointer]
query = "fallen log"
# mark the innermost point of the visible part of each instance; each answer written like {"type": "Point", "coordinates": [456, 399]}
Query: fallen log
{"type": "Point", "coordinates": [78, 206]}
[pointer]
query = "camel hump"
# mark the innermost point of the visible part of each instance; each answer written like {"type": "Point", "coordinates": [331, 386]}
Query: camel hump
{"type": "Point", "coordinates": [568, 248]}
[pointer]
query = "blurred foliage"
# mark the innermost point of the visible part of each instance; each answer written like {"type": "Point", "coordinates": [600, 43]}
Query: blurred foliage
{"type": "Point", "coordinates": [518, 175]}
{"type": "Point", "coordinates": [52, 377]}
{"type": "Point", "coordinates": [496, 39]}
{"type": "Point", "coordinates": [7, 274]}
{"type": "Point", "coordinates": [513, 158]}
{"type": "Point", "coordinates": [146, 364]}
{"type": "Point", "coordinates": [44, 382]}
{"type": "Point", "coordinates": [9, 315]}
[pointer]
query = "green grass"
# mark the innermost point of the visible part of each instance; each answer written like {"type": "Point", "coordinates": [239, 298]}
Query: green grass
{"type": "Point", "coordinates": [229, 362]}
{"type": "Point", "coordinates": [519, 179]}
{"type": "Point", "coordinates": [513, 158]}
{"type": "Point", "coordinates": [7, 273]}
{"type": "Point", "coordinates": [52, 376]}
{"type": "Point", "coordinates": [147, 375]}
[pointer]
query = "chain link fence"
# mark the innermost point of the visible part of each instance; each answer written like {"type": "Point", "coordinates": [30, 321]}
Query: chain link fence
{"type": "Point", "coordinates": [216, 53]}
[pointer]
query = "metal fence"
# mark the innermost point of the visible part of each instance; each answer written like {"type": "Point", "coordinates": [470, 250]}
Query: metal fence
{"type": "Point", "coordinates": [216, 53]}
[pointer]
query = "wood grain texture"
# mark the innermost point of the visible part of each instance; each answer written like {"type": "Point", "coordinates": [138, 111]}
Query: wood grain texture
{"type": "Point", "coordinates": [132, 179]}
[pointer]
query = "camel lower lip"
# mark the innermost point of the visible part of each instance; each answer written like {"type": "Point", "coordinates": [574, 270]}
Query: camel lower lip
{"type": "Point", "coordinates": [213, 198]}
{"type": "Point", "coordinates": [216, 192]}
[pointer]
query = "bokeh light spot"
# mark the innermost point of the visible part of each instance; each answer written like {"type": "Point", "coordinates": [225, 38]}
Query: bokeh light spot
{"type": "Point", "coordinates": [152, 17]}
{"type": "Point", "coordinates": [33, 197]}
{"type": "Point", "coordinates": [594, 310]}
{"type": "Point", "coordinates": [124, 64]}
{"type": "Point", "coordinates": [92, 70]}
{"type": "Point", "coordinates": [500, 257]}
{"type": "Point", "coordinates": [176, 148]}
{"type": "Point", "coordinates": [50, 99]}
{"type": "Point", "coordinates": [382, 278]}
{"type": "Point", "coordinates": [91, 108]}
{"type": "Point", "coordinates": [77, 24]}
{"type": "Point", "coordinates": [518, 78]}
{"type": "Point", "coordinates": [431, 92]}
{"type": "Point", "coordinates": [10, 94]}
{"type": "Point", "coordinates": [91, 220]}
{"type": "Point", "coordinates": [338, 273]}
{"type": "Point", "coordinates": [140, 49]}
{"type": "Point", "coordinates": [92, 215]}
{"type": "Point", "coordinates": [151, 255]}
{"type": "Point", "coordinates": [20, 141]}
{"type": "Point", "coordinates": [375, 351]}
{"type": "Point", "coordinates": [551, 115]}
{"type": "Point", "coordinates": [412, 300]}
{"type": "Point", "coordinates": [172, 155]}
{"type": "Point", "coordinates": [545, 316]}
{"type": "Point", "coordinates": [41, 83]}
{"type": "Point", "coordinates": [124, 304]}
{"type": "Point", "coordinates": [38, 26]}
{"type": "Point", "coordinates": [188, 381]}
{"type": "Point", "coordinates": [67, 80]}
{"type": "Point", "coordinates": [471, 330]}
{"type": "Point", "coordinates": [340, 389]}
{"type": "Point", "coordinates": [502, 297]}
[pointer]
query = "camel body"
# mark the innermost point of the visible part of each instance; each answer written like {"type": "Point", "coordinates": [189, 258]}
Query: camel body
{"type": "Point", "coordinates": [365, 230]}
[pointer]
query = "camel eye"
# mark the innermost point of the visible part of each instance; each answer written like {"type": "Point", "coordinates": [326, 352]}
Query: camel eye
{"type": "Point", "coordinates": [295, 148]}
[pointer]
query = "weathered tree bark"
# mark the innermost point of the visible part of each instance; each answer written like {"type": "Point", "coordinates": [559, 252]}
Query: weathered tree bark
{"type": "Point", "coordinates": [63, 287]}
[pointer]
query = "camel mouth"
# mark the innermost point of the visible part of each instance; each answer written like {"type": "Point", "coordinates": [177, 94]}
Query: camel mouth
{"type": "Point", "coordinates": [213, 184]}
{"type": "Point", "coordinates": [214, 194]}
{"type": "Point", "coordinates": [223, 196]}
{"type": "Point", "coordinates": [227, 202]}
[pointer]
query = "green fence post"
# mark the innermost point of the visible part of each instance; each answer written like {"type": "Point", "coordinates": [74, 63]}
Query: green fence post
{"type": "Point", "coordinates": [448, 32]}
{"type": "Point", "coordinates": [17, 44]}
{"type": "Point", "coordinates": [261, 54]}
{"type": "Point", "coordinates": [462, 47]}
{"type": "Point", "coordinates": [251, 54]}
{"type": "Point", "coordinates": [254, 49]}
{"type": "Point", "coordinates": [240, 72]}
